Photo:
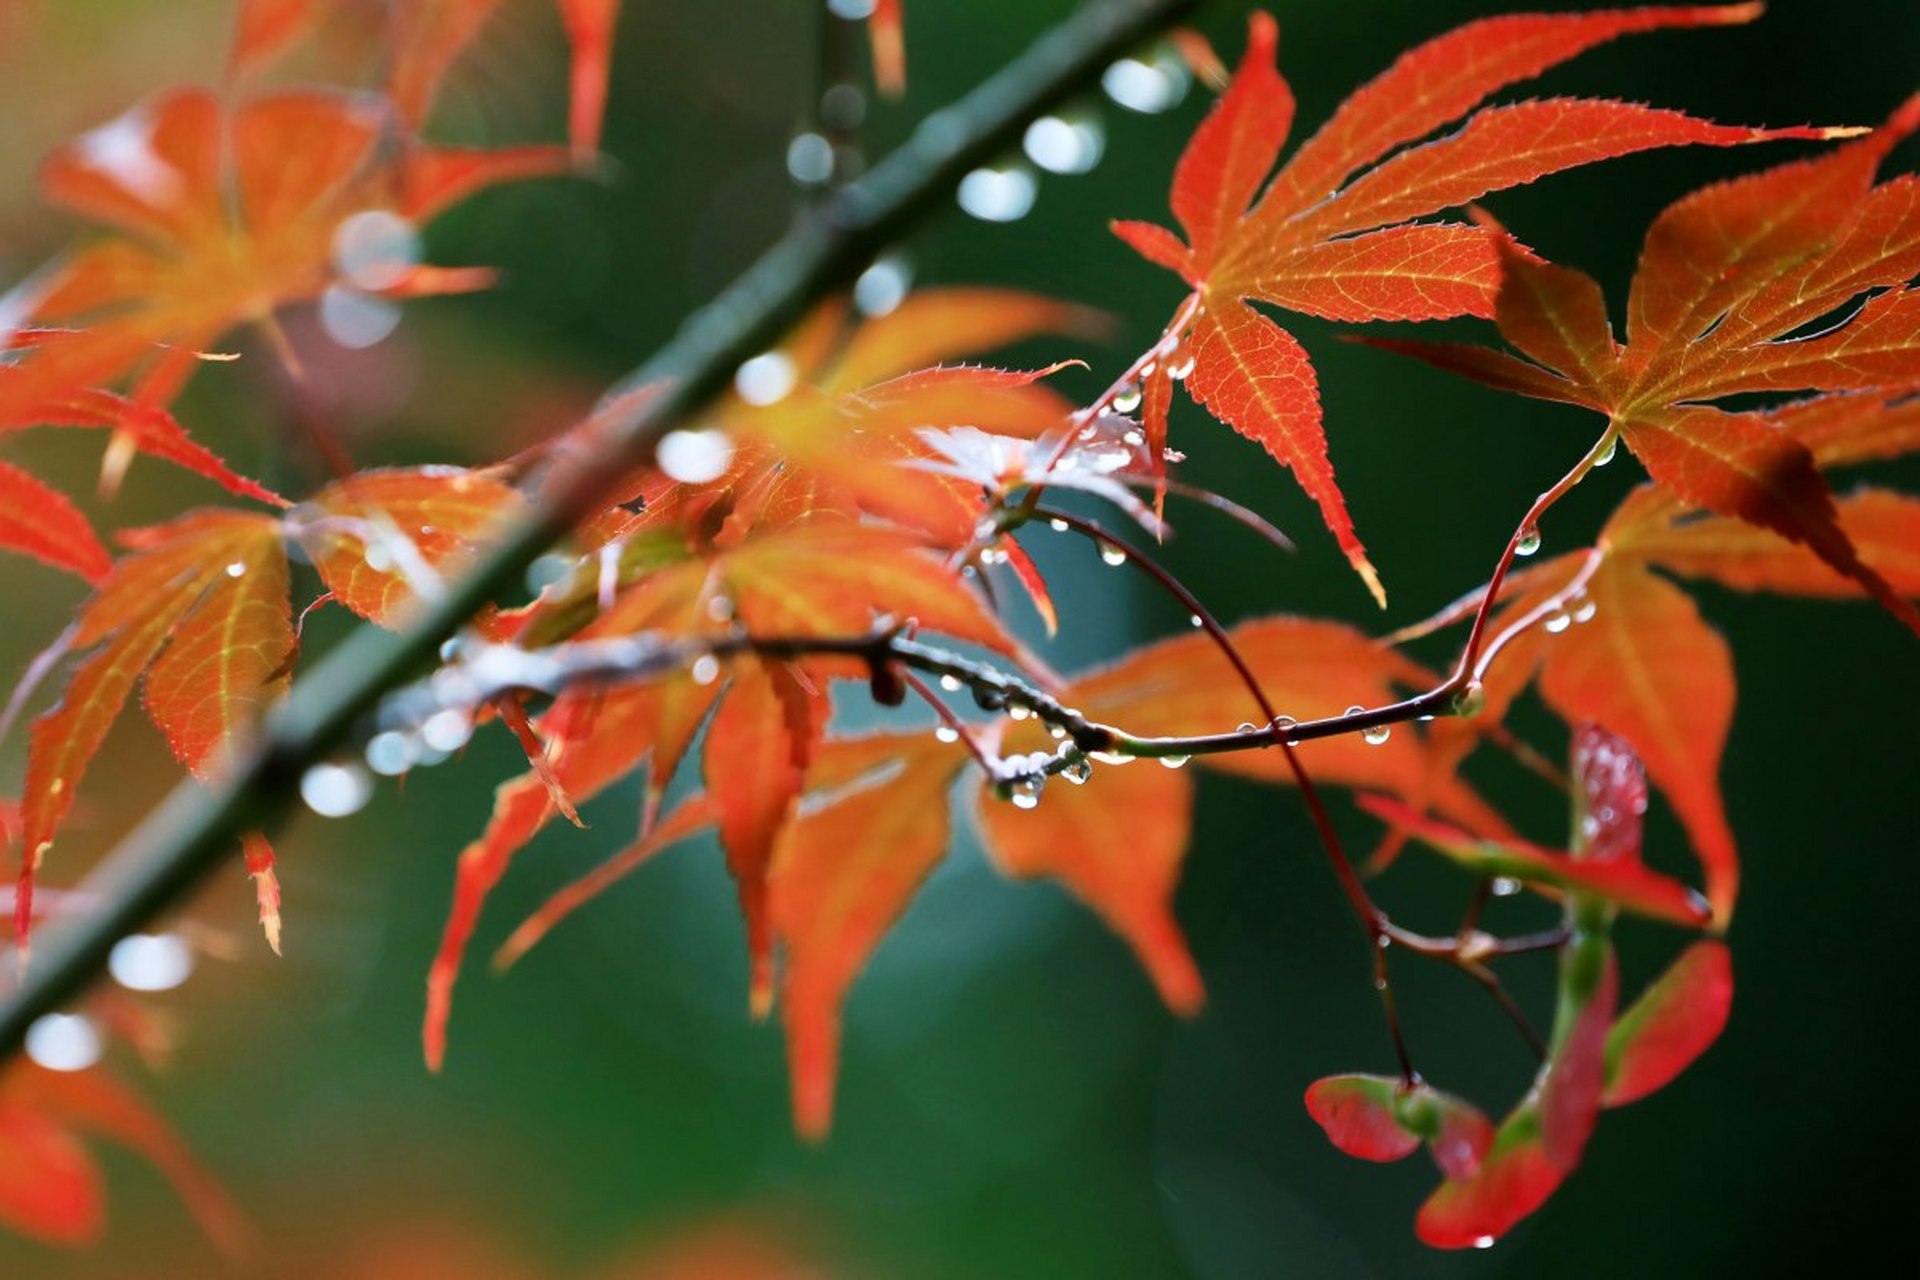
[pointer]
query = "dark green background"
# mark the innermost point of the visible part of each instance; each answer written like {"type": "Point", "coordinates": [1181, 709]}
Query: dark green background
{"type": "Point", "coordinates": [1013, 1101]}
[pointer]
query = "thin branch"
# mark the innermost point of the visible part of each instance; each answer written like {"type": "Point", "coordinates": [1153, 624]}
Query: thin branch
{"type": "Point", "coordinates": [180, 842]}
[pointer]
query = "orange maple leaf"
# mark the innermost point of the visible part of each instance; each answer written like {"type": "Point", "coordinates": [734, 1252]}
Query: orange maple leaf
{"type": "Point", "coordinates": [1333, 235]}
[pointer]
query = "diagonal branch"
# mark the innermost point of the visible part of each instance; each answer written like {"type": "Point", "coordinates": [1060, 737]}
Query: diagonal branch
{"type": "Point", "coordinates": [179, 843]}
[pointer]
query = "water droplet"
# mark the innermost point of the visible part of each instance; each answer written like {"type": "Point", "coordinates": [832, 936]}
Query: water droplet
{"type": "Point", "coordinates": [1065, 146]}
{"type": "Point", "coordinates": [989, 697]}
{"type": "Point", "coordinates": [1470, 701]}
{"type": "Point", "coordinates": [1018, 712]}
{"type": "Point", "coordinates": [1132, 439]}
{"type": "Point", "coordinates": [1058, 526]}
{"type": "Point", "coordinates": [150, 961]}
{"type": "Point", "coordinates": [336, 790]}
{"type": "Point", "coordinates": [1150, 85]}
{"type": "Point", "coordinates": [694, 457]}
{"type": "Point", "coordinates": [1110, 757]}
{"type": "Point", "coordinates": [1173, 762]}
{"type": "Point", "coordinates": [705, 669]}
{"type": "Point", "coordinates": [1354, 711]}
{"type": "Point", "coordinates": [63, 1042]}
{"type": "Point", "coordinates": [1113, 554]}
{"type": "Point", "coordinates": [1528, 542]}
{"type": "Point", "coordinates": [446, 731]}
{"type": "Point", "coordinates": [810, 160]}
{"type": "Point", "coordinates": [1584, 611]}
{"type": "Point", "coordinates": [375, 249]}
{"type": "Point", "coordinates": [883, 286]}
{"type": "Point", "coordinates": [1504, 886]}
{"type": "Point", "coordinates": [1606, 453]}
{"type": "Point", "coordinates": [1483, 1242]}
{"type": "Point", "coordinates": [1024, 792]}
{"type": "Point", "coordinates": [720, 608]}
{"type": "Point", "coordinates": [851, 10]}
{"type": "Point", "coordinates": [1246, 726]}
{"type": "Point", "coordinates": [1376, 735]}
{"type": "Point", "coordinates": [1180, 361]}
{"type": "Point", "coordinates": [947, 733]}
{"type": "Point", "coordinates": [998, 194]}
{"type": "Point", "coordinates": [1557, 623]}
{"type": "Point", "coordinates": [391, 753]}
{"type": "Point", "coordinates": [356, 320]}
{"type": "Point", "coordinates": [237, 569]}
{"type": "Point", "coordinates": [765, 379]}
{"type": "Point", "coordinates": [1127, 398]}
{"type": "Point", "coordinates": [1078, 770]}
{"type": "Point", "coordinates": [1282, 724]}
{"type": "Point", "coordinates": [1195, 620]}
{"type": "Point", "coordinates": [951, 683]}
{"type": "Point", "coordinates": [1056, 732]}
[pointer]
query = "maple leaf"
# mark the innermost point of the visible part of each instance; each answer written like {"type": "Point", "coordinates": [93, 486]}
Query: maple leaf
{"type": "Point", "coordinates": [42, 523]}
{"type": "Point", "coordinates": [50, 1187]}
{"type": "Point", "coordinates": [200, 612]}
{"type": "Point", "coordinates": [1728, 277]}
{"type": "Point", "coordinates": [219, 228]}
{"type": "Point", "coordinates": [382, 538]}
{"type": "Point", "coordinates": [1333, 234]}
{"type": "Point", "coordinates": [828, 578]}
{"type": "Point", "coordinates": [199, 616]}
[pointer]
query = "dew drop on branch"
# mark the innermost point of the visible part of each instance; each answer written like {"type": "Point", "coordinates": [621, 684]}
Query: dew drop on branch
{"type": "Point", "coordinates": [63, 1042]}
{"type": "Point", "coordinates": [1528, 542]}
{"type": "Point", "coordinates": [1173, 762]}
{"type": "Point", "coordinates": [1127, 398]}
{"type": "Point", "coordinates": [998, 194]}
{"type": "Point", "coordinates": [810, 160]}
{"type": "Point", "coordinates": [336, 790]}
{"type": "Point", "coordinates": [1113, 554]}
{"type": "Point", "coordinates": [883, 286]}
{"type": "Point", "coordinates": [150, 961]}
{"type": "Point", "coordinates": [1150, 85]}
{"type": "Point", "coordinates": [1061, 145]}
{"type": "Point", "coordinates": [391, 753]}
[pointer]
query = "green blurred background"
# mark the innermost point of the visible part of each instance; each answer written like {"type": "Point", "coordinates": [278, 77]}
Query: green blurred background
{"type": "Point", "coordinates": [1013, 1102]}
